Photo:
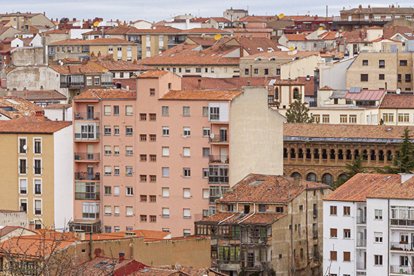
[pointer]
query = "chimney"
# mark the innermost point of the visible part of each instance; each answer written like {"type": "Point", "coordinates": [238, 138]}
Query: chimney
{"type": "Point", "coordinates": [97, 252]}
{"type": "Point", "coordinates": [199, 84]}
{"type": "Point", "coordinates": [360, 7]}
{"type": "Point", "coordinates": [121, 256]}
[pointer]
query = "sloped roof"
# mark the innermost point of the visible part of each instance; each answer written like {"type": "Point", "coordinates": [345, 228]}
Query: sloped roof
{"type": "Point", "coordinates": [194, 83]}
{"type": "Point", "coordinates": [201, 95]}
{"type": "Point", "coordinates": [366, 95]}
{"type": "Point", "coordinates": [394, 101]}
{"type": "Point", "coordinates": [90, 67]}
{"type": "Point", "coordinates": [97, 41]}
{"type": "Point", "coordinates": [105, 94]}
{"type": "Point", "coordinates": [32, 124]}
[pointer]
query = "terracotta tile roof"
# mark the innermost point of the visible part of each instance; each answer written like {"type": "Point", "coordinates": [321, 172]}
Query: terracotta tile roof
{"type": "Point", "coordinates": [366, 95]}
{"type": "Point", "coordinates": [204, 31]}
{"type": "Point", "coordinates": [344, 132]}
{"type": "Point", "coordinates": [109, 266]}
{"type": "Point", "coordinates": [203, 41]}
{"type": "Point", "coordinates": [35, 95]}
{"type": "Point", "coordinates": [73, 69]}
{"type": "Point", "coordinates": [58, 106]}
{"type": "Point", "coordinates": [363, 186]}
{"type": "Point", "coordinates": [201, 95]}
{"type": "Point", "coordinates": [262, 218]}
{"type": "Point", "coordinates": [57, 31]}
{"type": "Point", "coordinates": [122, 65]}
{"type": "Point", "coordinates": [307, 18]}
{"type": "Point", "coordinates": [329, 35]}
{"type": "Point", "coordinates": [372, 10]}
{"type": "Point", "coordinates": [105, 94]}
{"type": "Point", "coordinates": [194, 83]}
{"type": "Point", "coordinates": [14, 107]}
{"type": "Point", "coordinates": [97, 41]}
{"type": "Point", "coordinates": [394, 101]}
{"type": "Point", "coordinates": [8, 229]}
{"type": "Point", "coordinates": [220, 217]}
{"type": "Point", "coordinates": [393, 30]}
{"type": "Point", "coordinates": [32, 124]}
{"type": "Point", "coordinates": [152, 74]}
{"type": "Point", "coordinates": [256, 18]}
{"type": "Point", "coordinates": [257, 188]}
{"type": "Point", "coordinates": [221, 19]}
{"type": "Point", "coordinates": [296, 37]}
{"type": "Point", "coordinates": [148, 235]}
{"type": "Point", "coordinates": [252, 45]}
{"type": "Point", "coordinates": [156, 30]}
{"type": "Point", "coordinates": [290, 55]}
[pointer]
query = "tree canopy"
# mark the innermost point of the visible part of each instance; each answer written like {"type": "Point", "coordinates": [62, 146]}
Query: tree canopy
{"type": "Point", "coordinates": [298, 112]}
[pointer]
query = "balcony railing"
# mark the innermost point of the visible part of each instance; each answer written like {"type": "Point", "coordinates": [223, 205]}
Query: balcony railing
{"type": "Point", "coordinates": [222, 159]}
{"type": "Point", "coordinates": [74, 84]}
{"type": "Point", "coordinates": [87, 176]}
{"type": "Point", "coordinates": [215, 138]}
{"type": "Point", "coordinates": [361, 243]}
{"type": "Point", "coordinates": [87, 196]}
{"type": "Point", "coordinates": [397, 269]}
{"type": "Point", "coordinates": [86, 136]}
{"type": "Point", "coordinates": [218, 179]}
{"type": "Point", "coordinates": [396, 246]}
{"type": "Point", "coordinates": [83, 156]}
{"type": "Point", "coordinates": [402, 222]}
{"type": "Point", "coordinates": [89, 116]}
{"type": "Point", "coordinates": [361, 219]}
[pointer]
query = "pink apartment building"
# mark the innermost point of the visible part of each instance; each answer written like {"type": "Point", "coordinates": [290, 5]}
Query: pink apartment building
{"type": "Point", "coordinates": [159, 159]}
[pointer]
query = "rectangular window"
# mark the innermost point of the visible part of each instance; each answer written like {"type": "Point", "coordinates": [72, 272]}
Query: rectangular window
{"type": "Point", "coordinates": [129, 110]}
{"type": "Point", "coordinates": [107, 110]}
{"type": "Point", "coordinates": [347, 211]}
{"type": "Point", "coordinates": [165, 131]}
{"type": "Point", "coordinates": [205, 111]}
{"type": "Point", "coordinates": [153, 178]}
{"type": "Point", "coordinates": [186, 172]}
{"type": "Point", "coordinates": [347, 233]}
{"type": "Point", "coordinates": [153, 137]}
{"type": "Point", "coordinates": [364, 62]}
{"type": "Point", "coordinates": [347, 256]}
{"type": "Point", "coordinates": [153, 198]}
{"type": "Point", "coordinates": [165, 111]}
{"type": "Point", "coordinates": [116, 130]}
{"type": "Point", "coordinates": [143, 218]}
{"type": "Point", "coordinates": [378, 237]}
{"type": "Point", "coordinates": [129, 151]}
{"type": "Point", "coordinates": [153, 218]}
{"type": "Point", "coordinates": [165, 151]}
{"type": "Point", "coordinates": [403, 62]}
{"type": "Point", "coordinates": [364, 77]}
{"type": "Point", "coordinates": [333, 256]}
{"type": "Point", "coordinates": [129, 130]}
{"type": "Point", "coordinates": [153, 158]}
{"type": "Point", "coordinates": [116, 170]}
{"type": "Point", "coordinates": [381, 63]}
{"type": "Point", "coordinates": [152, 92]}
{"type": "Point", "coordinates": [186, 131]}
{"type": "Point", "coordinates": [37, 166]}
{"type": "Point", "coordinates": [107, 130]}
{"type": "Point", "coordinates": [388, 117]}
{"type": "Point", "coordinates": [117, 191]}
{"type": "Point", "coordinates": [117, 211]}
{"type": "Point", "coordinates": [214, 113]}
{"type": "Point", "coordinates": [186, 152]}
{"type": "Point", "coordinates": [37, 207]}
{"type": "Point", "coordinates": [143, 157]}
{"type": "Point", "coordinates": [343, 118]}
{"type": "Point", "coordinates": [108, 190]}
{"type": "Point", "coordinates": [23, 186]}
{"type": "Point", "coordinates": [143, 178]}
{"type": "Point", "coordinates": [333, 210]}
{"type": "Point", "coordinates": [378, 214]}
{"type": "Point", "coordinates": [152, 117]}
{"type": "Point", "coordinates": [333, 232]}
{"type": "Point", "coordinates": [186, 111]}
{"type": "Point", "coordinates": [399, 78]}
{"type": "Point", "coordinates": [206, 152]}
{"type": "Point", "coordinates": [165, 212]}
{"type": "Point", "coordinates": [129, 191]}
{"type": "Point", "coordinates": [325, 118]}
{"type": "Point", "coordinates": [22, 145]}
{"type": "Point", "coordinates": [206, 132]}
{"type": "Point", "coordinates": [143, 198]}
{"type": "Point", "coordinates": [381, 77]}
{"type": "Point", "coordinates": [206, 193]}
{"type": "Point", "coordinates": [116, 150]}
{"type": "Point", "coordinates": [142, 116]}
{"type": "Point", "coordinates": [407, 77]}
{"type": "Point", "coordinates": [107, 170]}
{"type": "Point", "coordinates": [37, 146]}
{"type": "Point", "coordinates": [165, 172]}
{"type": "Point", "coordinates": [377, 259]}
{"type": "Point", "coordinates": [37, 186]}
{"type": "Point", "coordinates": [352, 119]}
{"type": "Point", "coordinates": [116, 110]}
{"type": "Point", "coordinates": [205, 172]}
{"type": "Point", "coordinates": [129, 210]}
{"type": "Point", "coordinates": [107, 150]}
{"type": "Point", "coordinates": [165, 192]}
{"type": "Point", "coordinates": [186, 213]}
{"type": "Point", "coordinates": [107, 210]}
{"type": "Point", "coordinates": [187, 193]}
{"type": "Point", "coordinates": [128, 171]}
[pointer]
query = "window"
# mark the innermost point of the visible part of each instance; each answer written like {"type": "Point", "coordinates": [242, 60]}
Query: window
{"type": "Point", "coordinates": [186, 172]}
{"type": "Point", "coordinates": [381, 77]}
{"type": "Point", "coordinates": [378, 214]}
{"type": "Point", "coordinates": [143, 178]}
{"type": "Point", "coordinates": [107, 110]}
{"type": "Point", "coordinates": [343, 119]}
{"type": "Point", "coordinates": [266, 71]}
{"type": "Point", "coordinates": [23, 186]}
{"type": "Point", "coordinates": [153, 218]}
{"type": "Point", "coordinates": [116, 170]}
{"type": "Point", "coordinates": [107, 170]}
{"type": "Point", "coordinates": [129, 210]}
{"type": "Point", "coordinates": [116, 110]}
{"type": "Point", "coordinates": [143, 157]}
{"type": "Point", "coordinates": [378, 237]}
{"type": "Point", "coordinates": [152, 92]}
{"type": "Point", "coordinates": [153, 178]}
{"type": "Point", "coordinates": [333, 210]}
{"type": "Point", "coordinates": [206, 132]}
{"type": "Point", "coordinates": [153, 198]}
{"type": "Point", "coordinates": [165, 172]}
{"type": "Point", "coordinates": [364, 77]}
{"type": "Point", "coordinates": [347, 233]}
{"type": "Point", "coordinates": [117, 211]}
{"type": "Point", "coordinates": [116, 130]}
{"type": "Point", "coordinates": [186, 131]}
{"type": "Point", "coordinates": [333, 256]}
{"type": "Point", "coordinates": [186, 152]}
{"type": "Point", "coordinates": [117, 190]}
{"type": "Point", "coordinates": [205, 111]}
{"type": "Point", "coordinates": [214, 113]}
{"type": "Point", "coordinates": [129, 191]}
{"type": "Point", "coordinates": [187, 193]}
{"type": "Point", "coordinates": [256, 71]}
{"type": "Point", "coordinates": [279, 209]}
{"type": "Point", "coordinates": [22, 145]}
{"type": "Point", "coordinates": [381, 63]}
{"type": "Point", "coordinates": [407, 77]}
{"type": "Point", "coordinates": [153, 158]}
{"type": "Point", "coordinates": [333, 232]}
{"type": "Point", "coordinates": [165, 131]}
{"type": "Point", "coordinates": [128, 131]}
{"type": "Point", "coordinates": [186, 111]}
{"type": "Point", "coordinates": [388, 117]}
{"type": "Point", "coordinates": [129, 110]}
{"type": "Point", "coordinates": [107, 150]}
{"type": "Point", "coordinates": [165, 111]}
{"type": "Point", "coordinates": [129, 151]}
{"type": "Point", "coordinates": [128, 170]}
{"type": "Point", "coordinates": [143, 137]}
{"type": "Point", "coordinates": [37, 186]}
{"type": "Point", "coordinates": [108, 190]}
{"type": "Point", "coordinates": [378, 259]}
{"type": "Point", "coordinates": [165, 212]}
{"type": "Point", "coordinates": [316, 118]}
{"type": "Point", "coordinates": [325, 118]}
{"type": "Point", "coordinates": [347, 256]}
{"type": "Point", "coordinates": [37, 207]}
{"type": "Point", "coordinates": [152, 117]}
{"type": "Point", "coordinates": [117, 228]}
{"type": "Point", "coordinates": [107, 210]}
{"type": "Point", "coordinates": [142, 116]}
{"type": "Point", "coordinates": [403, 117]}
{"type": "Point", "coordinates": [403, 238]}
{"type": "Point", "coordinates": [23, 205]}
{"type": "Point", "coordinates": [403, 62]}
{"type": "Point", "coordinates": [107, 130]}
{"type": "Point", "coordinates": [206, 193]}
{"type": "Point", "coordinates": [347, 211]}
{"type": "Point", "coordinates": [165, 192]}
{"type": "Point", "coordinates": [37, 146]}
{"type": "Point", "coordinates": [399, 77]}
{"type": "Point", "coordinates": [186, 213]}
{"type": "Point", "coordinates": [37, 166]}
{"type": "Point", "coordinates": [352, 119]}
{"type": "Point", "coordinates": [364, 62]}
{"type": "Point", "coordinates": [153, 137]}
{"type": "Point", "coordinates": [205, 172]}
{"type": "Point", "coordinates": [143, 218]}
{"type": "Point", "coordinates": [404, 261]}
{"type": "Point", "coordinates": [143, 198]}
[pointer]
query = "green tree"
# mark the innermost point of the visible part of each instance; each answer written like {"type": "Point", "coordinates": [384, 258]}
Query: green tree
{"type": "Point", "coordinates": [351, 169]}
{"type": "Point", "coordinates": [404, 161]}
{"type": "Point", "coordinates": [298, 112]}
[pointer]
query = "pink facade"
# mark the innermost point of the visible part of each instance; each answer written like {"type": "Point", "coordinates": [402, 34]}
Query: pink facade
{"type": "Point", "coordinates": [179, 160]}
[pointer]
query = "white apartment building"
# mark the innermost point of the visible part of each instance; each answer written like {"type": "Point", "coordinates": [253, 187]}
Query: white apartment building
{"type": "Point", "coordinates": [368, 226]}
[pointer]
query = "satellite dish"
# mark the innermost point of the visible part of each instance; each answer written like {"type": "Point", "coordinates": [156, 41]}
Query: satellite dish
{"type": "Point", "coordinates": [25, 147]}
{"type": "Point", "coordinates": [217, 37]}
{"type": "Point", "coordinates": [212, 135]}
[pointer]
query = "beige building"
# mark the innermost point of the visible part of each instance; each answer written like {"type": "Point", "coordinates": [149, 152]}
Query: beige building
{"type": "Point", "coordinates": [267, 225]}
{"type": "Point", "coordinates": [381, 71]}
{"type": "Point", "coordinates": [37, 170]}
{"type": "Point", "coordinates": [23, 21]}
{"type": "Point", "coordinates": [118, 49]}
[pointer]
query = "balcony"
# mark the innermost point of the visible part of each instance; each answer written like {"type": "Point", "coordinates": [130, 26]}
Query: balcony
{"type": "Point", "coordinates": [361, 219]}
{"type": "Point", "coordinates": [402, 223]}
{"type": "Point", "coordinates": [72, 85]}
{"type": "Point", "coordinates": [361, 243]}
{"type": "Point", "coordinates": [86, 136]}
{"type": "Point", "coordinates": [220, 159]}
{"type": "Point", "coordinates": [87, 196]}
{"type": "Point", "coordinates": [406, 247]}
{"type": "Point", "coordinates": [401, 270]}
{"type": "Point", "coordinates": [218, 179]}
{"type": "Point", "coordinates": [87, 176]}
{"type": "Point", "coordinates": [218, 139]}
{"type": "Point", "coordinates": [86, 157]}
{"type": "Point", "coordinates": [87, 116]}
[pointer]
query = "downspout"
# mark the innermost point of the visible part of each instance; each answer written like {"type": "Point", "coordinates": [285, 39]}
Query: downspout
{"type": "Point", "coordinates": [388, 236]}
{"type": "Point", "coordinates": [307, 225]}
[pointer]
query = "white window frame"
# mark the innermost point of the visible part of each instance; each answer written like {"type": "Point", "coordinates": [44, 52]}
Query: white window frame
{"type": "Point", "coordinates": [27, 186]}
{"type": "Point", "coordinates": [34, 145]}
{"type": "Point", "coordinates": [34, 206]}
{"type": "Point", "coordinates": [165, 192]}
{"type": "Point", "coordinates": [34, 186]}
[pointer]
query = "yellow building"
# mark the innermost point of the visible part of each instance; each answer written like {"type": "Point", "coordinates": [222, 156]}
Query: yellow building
{"type": "Point", "coordinates": [36, 169]}
{"type": "Point", "coordinates": [119, 49]}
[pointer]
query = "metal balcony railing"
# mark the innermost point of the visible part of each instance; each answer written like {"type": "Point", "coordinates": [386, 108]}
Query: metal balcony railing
{"type": "Point", "coordinates": [89, 116]}
{"type": "Point", "coordinates": [403, 270]}
{"type": "Point", "coordinates": [86, 136]}
{"type": "Point", "coordinates": [87, 196]}
{"type": "Point", "coordinates": [402, 222]}
{"type": "Point", "coordinates": [87, 176]}
{"type": "Point", "coordinates": [398, 246]}
{"type": "Point", "coordinates": [216, 138]}
{"type": "Point", "coordinates": [84, 156]}
{"type": "Point", "coordinates": [223, 159]}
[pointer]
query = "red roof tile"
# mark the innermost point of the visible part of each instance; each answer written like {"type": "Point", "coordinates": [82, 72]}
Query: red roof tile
{"type": "Point", "coordinates": [32, 124]}
{"type": "Point", "coordinates": [105, 94]}
{"type": "Point", "coordinates": [395, 101]}
{"type": "Point", "coordinates": [97, 41]}
{"type": "Point", "coordinates": [201, 95]}
{"type": "Point", "coordinates": [366, 95]}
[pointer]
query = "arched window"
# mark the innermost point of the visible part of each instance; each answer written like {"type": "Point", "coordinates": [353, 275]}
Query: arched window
{"type": "Point", "coordinates": [324, 154]}
{"type": "Point", "coordinates": [316, 153]}
{"type": "Point", "coordinates": [292, 153]}
{"type": "Point", "coordinates": [340, 154]}
{"type": "Point", "coordinates": [389, 155]}
{"type": "Point", "coordinates": [296, 94]}
{"type": "Point", "coordinates": [348, 155]}
{"type": "Point", "coordinates": [327, 178]}
{"type": "Point", "coordinates": [311, 177]}
{"type": "Point", "coordinates": [373, 156]}
{"type": "Point", "coordinates": [381, 155]}
{"type": "Point", "coordinates": [285, 153]}
{"type": "Point", "coordinates": [308, 154]}
{"type": "Point", "coordinates": [364, 155]}
{"type": "Point", "coordinates": [356, 154]}
{"type": "Point", "coordinates": [300, 153]}
{"type": "Point", "coordinates": [296, 175]}
{"type": "Point", "coordinates": [342, 177]}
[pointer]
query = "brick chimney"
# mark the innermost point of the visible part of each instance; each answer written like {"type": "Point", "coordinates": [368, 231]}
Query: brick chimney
{"type": "Point", "coordinates": [121, 257]}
